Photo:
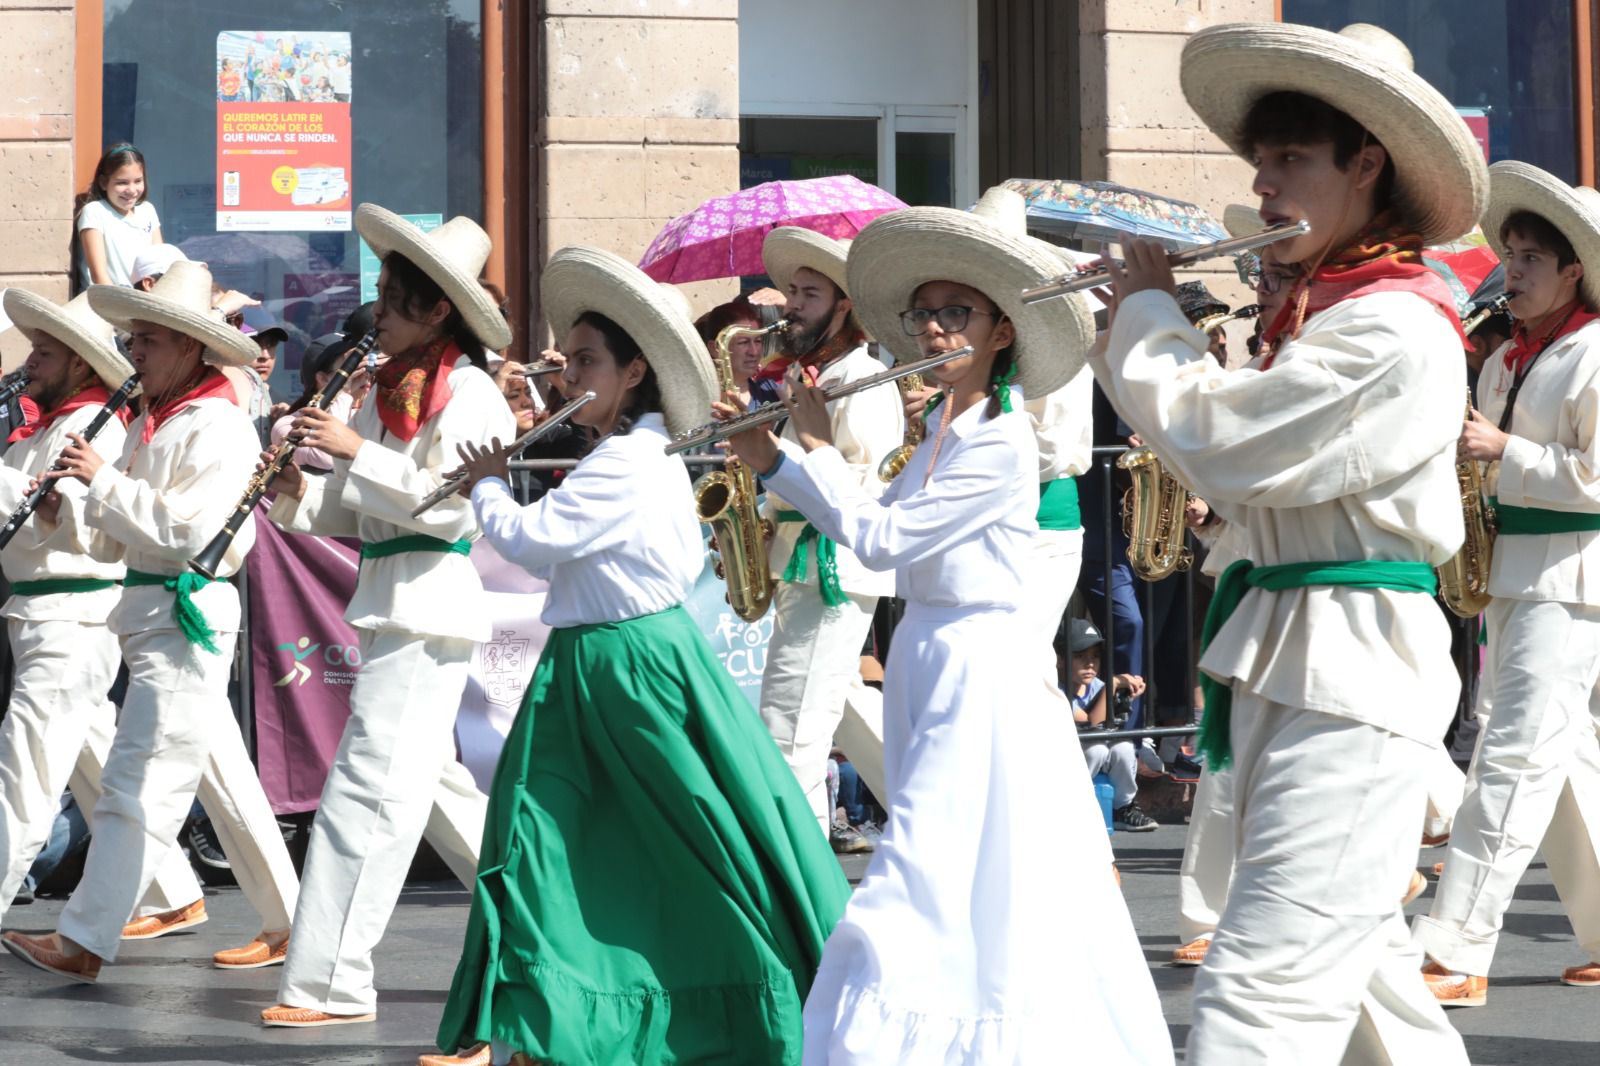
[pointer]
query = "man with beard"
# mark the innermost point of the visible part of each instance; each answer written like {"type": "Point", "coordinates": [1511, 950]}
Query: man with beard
{"type": "Point", "coordinates": [825, 599]}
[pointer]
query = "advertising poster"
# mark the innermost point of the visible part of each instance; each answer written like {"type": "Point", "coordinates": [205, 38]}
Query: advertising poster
{"type": "Point", "coordinates": [283, 131]}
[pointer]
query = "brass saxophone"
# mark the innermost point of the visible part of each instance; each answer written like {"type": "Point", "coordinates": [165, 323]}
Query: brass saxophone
{"type": "Point", "coordinates": [916, 428]}
{"type": "Point", "coordinates": [1152, 517]}
{"type": "Point", "coordinates": [1464, 580]}
{"type": "Point", "coordinates": [725, 500]}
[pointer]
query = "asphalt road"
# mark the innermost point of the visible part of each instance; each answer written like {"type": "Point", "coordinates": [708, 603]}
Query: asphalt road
{"type": "Point", "coordinates": [162, 1002]}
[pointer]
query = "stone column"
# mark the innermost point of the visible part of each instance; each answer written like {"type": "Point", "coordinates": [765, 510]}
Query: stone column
{"type": "Point", "coordinates": [638, 105]}
{"type": "Point", "coordinates": [36, 104]}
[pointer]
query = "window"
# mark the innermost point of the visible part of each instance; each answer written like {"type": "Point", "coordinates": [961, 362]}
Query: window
{"type": "Point", "coordinates": [783, 149]}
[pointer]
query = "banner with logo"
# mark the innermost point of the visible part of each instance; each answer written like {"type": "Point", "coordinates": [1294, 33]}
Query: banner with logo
{"type": "Point", "coordinates": [283, 131]}
{"type": "Point", "coordinates": [502, 667]}
{"type": "Point", "coordinates": [740, 645]}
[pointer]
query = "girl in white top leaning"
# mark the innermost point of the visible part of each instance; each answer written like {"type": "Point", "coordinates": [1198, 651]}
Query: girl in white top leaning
{"type": "Point", "coordinates": [115, 220]}
{"type": "Point", "coordinates": [955, 948]}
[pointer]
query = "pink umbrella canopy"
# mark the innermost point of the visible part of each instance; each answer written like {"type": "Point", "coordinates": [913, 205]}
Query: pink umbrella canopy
{"type": "Point", "coordinates": [722, 237]}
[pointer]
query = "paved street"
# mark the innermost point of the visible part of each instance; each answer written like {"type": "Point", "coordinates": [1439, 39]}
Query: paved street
{"type": "Point", "coordinates": [164, 1004]}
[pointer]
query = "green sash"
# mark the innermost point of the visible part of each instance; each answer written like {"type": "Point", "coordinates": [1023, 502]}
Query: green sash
{"type": "Point", "coordinates": [1058, 504]}
{"type": "Point", "coordinates": [1215, 743]}
{"type": "Point", "coordinates": [1522, 521]}
{"type": "Point", "coordinates": [827, 560]}
{"type": "Point", "coordinates": [49, 585]}
{"type": "Point", "coordinates": [414, 542]}
{"type": "Point", "coordinates": [191, 620]}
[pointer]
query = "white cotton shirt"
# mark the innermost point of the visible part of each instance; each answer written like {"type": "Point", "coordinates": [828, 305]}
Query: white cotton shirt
{"type": "Point", "coordinates": [1551, 462]}
{"type": "Point", "coordinates": [1344, 450]}
{"type": "Point", "coordinates": [617, 539]}
{"type": "Point", "coordinates": [961, 540]}
{"type": "Point", "coordinates": [371, 497]}
{"type": "Point", "coordinates": [1063, 422]}
{"type": "Point", "coordinates": [867, 426]}
{"type": "Point", "coordinates": [39, 552]}
{"type": "Point", "coordinates": [125, 236]}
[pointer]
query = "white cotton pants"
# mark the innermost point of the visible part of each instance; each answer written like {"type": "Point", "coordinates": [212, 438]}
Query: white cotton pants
{"type": "Point", "coordinates": [1311, 958]}
{"type": "Point", "coordinates": [1445, 784]}
{"type": "Point", "coordinates": [1533, 780]}
{"type": "Point", "coordinates": [1119, 762]}
{"type": "Point", "coordinates": [176, 736]}
{"type": "Point", "coordinates": [1208, 851]}
{"type": "Point", "coordinates": [812, 689]}
{"type": "Point", "coordinates": [394, 781]}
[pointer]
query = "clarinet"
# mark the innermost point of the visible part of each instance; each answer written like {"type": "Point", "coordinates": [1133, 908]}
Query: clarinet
{"type": "Point", "coordinates": [207, 562]}
{"type": "Point", "coordinates": [11, 387]}
{"type": "Point", "coordinates": [30, 503]}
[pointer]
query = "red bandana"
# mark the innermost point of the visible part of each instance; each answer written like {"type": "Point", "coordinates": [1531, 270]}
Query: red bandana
{"type": "Point", "coordinates": [413, 388]}
{"type": "Point", "coordinates": [212, 383]}
{"type": "Point", "coordinates": [1568, 319]}
{"type": "Point", "coordinates": [1383, 257]}
{"type": "Point", "coordinates": [92, 395]}
{"type": "Point", "coordinates": [814, 361]}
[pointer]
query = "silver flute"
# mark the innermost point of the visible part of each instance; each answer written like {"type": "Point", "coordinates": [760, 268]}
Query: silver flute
{"type": "Point", "coordinates": [1091, 278]}
{"type": "Point", "coordinates": [453, 483]}
{"type": "Point", "coordinates": [540, 367]}
{"type": "Point", "coordinates": [767, 413]}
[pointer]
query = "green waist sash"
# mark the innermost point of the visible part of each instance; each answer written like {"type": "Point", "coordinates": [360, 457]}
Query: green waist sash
{"type": "Point", "coordinates": [414, 542]}
{"type": "Point", "coordinates": [827, 560]}
{"type": "Point", "coordinates": [1058, 504]}
{"type": "Point", "coordinates": [49, 585]}
{"type": "Point", "coordinates": [1215, 743]}
{"type": "Point", "coordinates": [1522, 521]}
{"type": "Point", "coordinates": [191, 620]}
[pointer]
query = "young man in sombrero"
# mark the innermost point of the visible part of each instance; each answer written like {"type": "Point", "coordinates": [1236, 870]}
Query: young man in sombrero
{"type": "Point", "coordinates": [184, 462]}
{"type": "Point", "coordinates": [418, 607]}
{"type": "Point", "coordinates": [1533, 777]}
{"type": "Point", "coordinates": [824, 601]}
{"type": "Point", "coordinates": [1335, 451]}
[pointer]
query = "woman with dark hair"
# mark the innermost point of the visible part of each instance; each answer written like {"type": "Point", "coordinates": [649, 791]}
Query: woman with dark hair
{"type": "Point", "coordinates": [654, 887]}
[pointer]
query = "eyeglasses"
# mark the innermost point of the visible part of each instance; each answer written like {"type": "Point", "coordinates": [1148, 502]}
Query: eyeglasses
{"type": "Point", "coordinates": [952, 319]}
{"type": "Point", "coordinates": [1267, 281]}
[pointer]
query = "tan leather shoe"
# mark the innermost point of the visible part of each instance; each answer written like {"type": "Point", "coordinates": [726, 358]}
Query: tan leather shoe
{"type": "Point", "coordinates": [1193, 953]}
{"type": "Point", "coordinates": [478, 1056]}
{"type": "Point", "coordinates": [1455, 990]}
{"type": "Point", "coordinates": [258, 953]}
{"type": "Point", "coordinates": [46, 953]}
{"type": "Point", "coordinates": [308, 1018]}
{"type": "Point", "coordinates": [159, 925]}
{"type": "Point", "coordinates": [1418, 886]}
{"type": "Point", "coordinates": [1585, 976]}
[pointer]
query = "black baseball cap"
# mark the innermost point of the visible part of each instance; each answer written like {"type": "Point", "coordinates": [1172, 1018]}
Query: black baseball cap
{"type": "Point", "coordinates": [1084, 635]}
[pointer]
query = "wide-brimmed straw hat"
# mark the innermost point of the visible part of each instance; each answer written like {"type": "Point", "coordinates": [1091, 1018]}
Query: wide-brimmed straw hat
{"type": "Point", "coordinates": [452, 255]}
{"type": "Point", "coordinates": [1441, 183]}
{"type": "Point", "coordinates": [905, 249]}
{"type": "Point", "coordinates": [1242, 220]}
{"type": "Point", "coordinates": [181, 301]}
{"type": "Point", "coordinates": [788, 248]}
{"type": "Point", "coordinates": [1574, 210]}
{"type": "Point", "coordinates": [579, 279]}
{"type": "Point", "coordinates": [74, 324]}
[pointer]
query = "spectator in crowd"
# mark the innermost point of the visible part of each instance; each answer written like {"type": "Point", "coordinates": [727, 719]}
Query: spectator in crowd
{"type": "Point", "coordinates": [746, 351]}
{"type": "Point", "coordinates": [150, 264]}
{"type": "Point", "coordinates": [322, 357]}
{"type": "Point", "coordinates": [114, 220]}
{"type": "Point", "coordinates": [268, 334]}
{"type": "Point", "coordinates": [855, 808]}
{"type": "Point", "coordinates": [1091, 710]}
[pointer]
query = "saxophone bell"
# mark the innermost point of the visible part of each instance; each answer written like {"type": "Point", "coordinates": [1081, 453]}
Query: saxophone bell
{"type": "Point", "coordinates": [916, 429]}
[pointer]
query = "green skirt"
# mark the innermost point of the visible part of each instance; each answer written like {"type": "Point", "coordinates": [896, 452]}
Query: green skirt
{"type": "Point", "coordinates": [652, 887]}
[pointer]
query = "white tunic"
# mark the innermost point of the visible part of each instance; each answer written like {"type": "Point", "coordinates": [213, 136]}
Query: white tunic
{"type": "Point", "coordinates": [1552, 461]}
{"type": "Point", "coordinates": [1344, 450]}
{"type": "Point", "coordinates": [372, 496]}
{"type": "Point", "coordinates": [1063, 423]}
{"type": "Point", "coordinates": [617, 539]}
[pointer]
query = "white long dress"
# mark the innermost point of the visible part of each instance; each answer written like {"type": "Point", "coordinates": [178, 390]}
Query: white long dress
{"type": "Point", "coordinates": [988, 928]}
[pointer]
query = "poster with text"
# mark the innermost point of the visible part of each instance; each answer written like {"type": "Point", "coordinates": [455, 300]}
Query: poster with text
{"type": "Point", "coordinates": [283, 131]}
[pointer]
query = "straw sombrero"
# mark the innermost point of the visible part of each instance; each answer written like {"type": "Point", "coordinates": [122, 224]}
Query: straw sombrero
{"type": "Point", "coordinates": [1574, 210]}
{"type": "Point", "coordinates": [899, 251]}
{"type": "Point", "coordinates": [452, 255]}
{"type": "Point", "coordinates": [788, 248]}
{"type": "Point", "coordinates": [1441, 183]}
{"type": "Point", "coordinates": [1242, 220]}
{"type": "Point", "coordinates": [181, 301]}
{"type": "Point", "coordinates": [75, 325]}
{"type": "Point", "coordinates": [579, 279]}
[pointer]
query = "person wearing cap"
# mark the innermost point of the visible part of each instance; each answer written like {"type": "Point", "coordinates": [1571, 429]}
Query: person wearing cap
{"type": "Point", "coordinates": [267, 333]}
{"type": "Point", "coordinates": [58, 727]}
{"type": "Point", "coordinates": [1533, 780]}
{"type": "Point", "coordinates": [151, 263]}
{"type": "Point", "coordinates": [659, 889]}
{"type": "Point", "coordinates": [184, 462]}
{"type": "Point", "coordinates": [954, 947]}
{"type": "Point", "coordinates": [812, 692]}
{"type": "Point", "coordinates": [1327, 659]}
{"type": "Point", "coordinates": [418, 607]}
{"type": "Point", "coordinates": [1091, 702]}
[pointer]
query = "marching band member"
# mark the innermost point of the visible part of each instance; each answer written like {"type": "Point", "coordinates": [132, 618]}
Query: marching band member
{"type": "Point", "coordinates": [1532, 778]}
{"type": "Point", "coordinates": [1335, 454]}
{"type": "Point", "coordinates": [654, 889]}
{"type": "Point", "coordinates": [824, 601]}
{"type": "Point", "coordinates": [418, 608]}
{"type": "Point", "coordinates": [182, 463]}
{"type": "Point", "coordinates": [955, 947]}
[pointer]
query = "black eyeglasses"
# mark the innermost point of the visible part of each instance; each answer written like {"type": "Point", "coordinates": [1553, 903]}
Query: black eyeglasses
{"type": "Point", "coordinates": [952, 319]}
{"type": "Point", "coordinates": [1267, 281]}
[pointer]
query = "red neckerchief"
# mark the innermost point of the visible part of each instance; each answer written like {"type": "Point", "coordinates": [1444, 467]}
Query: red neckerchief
{"type": "Point", "coordinates": [211, 383]}
{"type": "Point", "coordinates": [1524, 347]}
{"type": "Point", "coordinates": [84, 397]}
{"type": "Point", "coordinates": [1383, 257]}
{"type": "Point", "coordinates": [814, 361]}
{"type": "Point", "coordinates": [412, 388]}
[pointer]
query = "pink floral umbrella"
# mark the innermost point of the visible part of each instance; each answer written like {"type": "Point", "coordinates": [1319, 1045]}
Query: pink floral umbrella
{"type": "Point", "coordinates": [722, 237]}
